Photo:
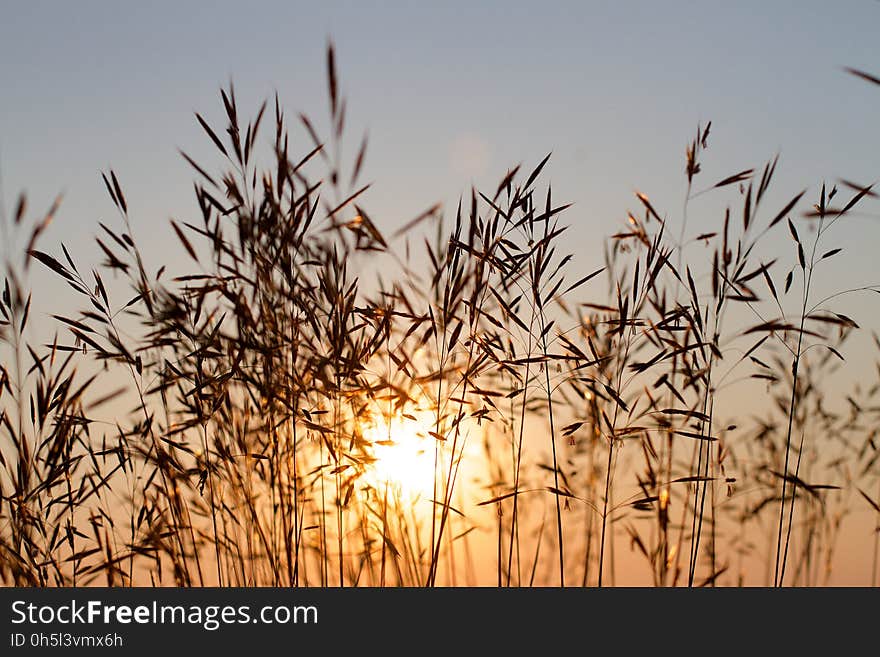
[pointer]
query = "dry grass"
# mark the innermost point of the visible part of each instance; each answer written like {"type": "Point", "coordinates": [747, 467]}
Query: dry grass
{"type": "Point", "coordinates": [264, 384]}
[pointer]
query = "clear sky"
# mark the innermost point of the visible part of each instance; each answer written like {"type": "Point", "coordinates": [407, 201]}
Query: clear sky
{"type": "Point", "coordinates": [614, 89]}
{"type": "Point", "coordinates": [451, 93]}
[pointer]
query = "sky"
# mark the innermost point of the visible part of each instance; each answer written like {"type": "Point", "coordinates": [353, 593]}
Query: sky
{"type": "Point", "coordinates": [451, 94]}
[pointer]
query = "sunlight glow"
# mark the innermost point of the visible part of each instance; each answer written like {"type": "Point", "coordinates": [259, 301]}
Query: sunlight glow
{"type": "Point", "coordinates": [404, 453]}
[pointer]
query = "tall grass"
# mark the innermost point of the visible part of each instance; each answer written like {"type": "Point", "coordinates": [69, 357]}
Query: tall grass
{"type": "Point", "coordinates": [236, 422]}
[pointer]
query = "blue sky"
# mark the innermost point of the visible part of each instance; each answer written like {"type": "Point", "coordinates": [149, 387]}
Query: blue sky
{"type": "Point", "coordinates": [451, 94]}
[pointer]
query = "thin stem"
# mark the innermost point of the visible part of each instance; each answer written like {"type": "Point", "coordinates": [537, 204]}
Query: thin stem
{"type": "Point", "coordinates": [797, 469]}
{"type": "Point", "coordinates": [808, 278]}
{"type": "Point", "coordinates": [555, 467]}
{"type": "Point", "coordinates": [210, 476]}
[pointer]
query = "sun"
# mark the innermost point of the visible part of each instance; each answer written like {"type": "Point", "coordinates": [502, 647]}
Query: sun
{"type": "Point", "coordinates": [404, 453]}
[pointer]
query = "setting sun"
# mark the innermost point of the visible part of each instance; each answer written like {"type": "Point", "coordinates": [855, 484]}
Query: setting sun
{"type": "Point", "coordinates": [403, 452]}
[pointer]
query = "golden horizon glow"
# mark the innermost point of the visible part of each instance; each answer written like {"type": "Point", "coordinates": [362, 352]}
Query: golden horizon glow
{"type": "Point", "coordinates": [404, 453]}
